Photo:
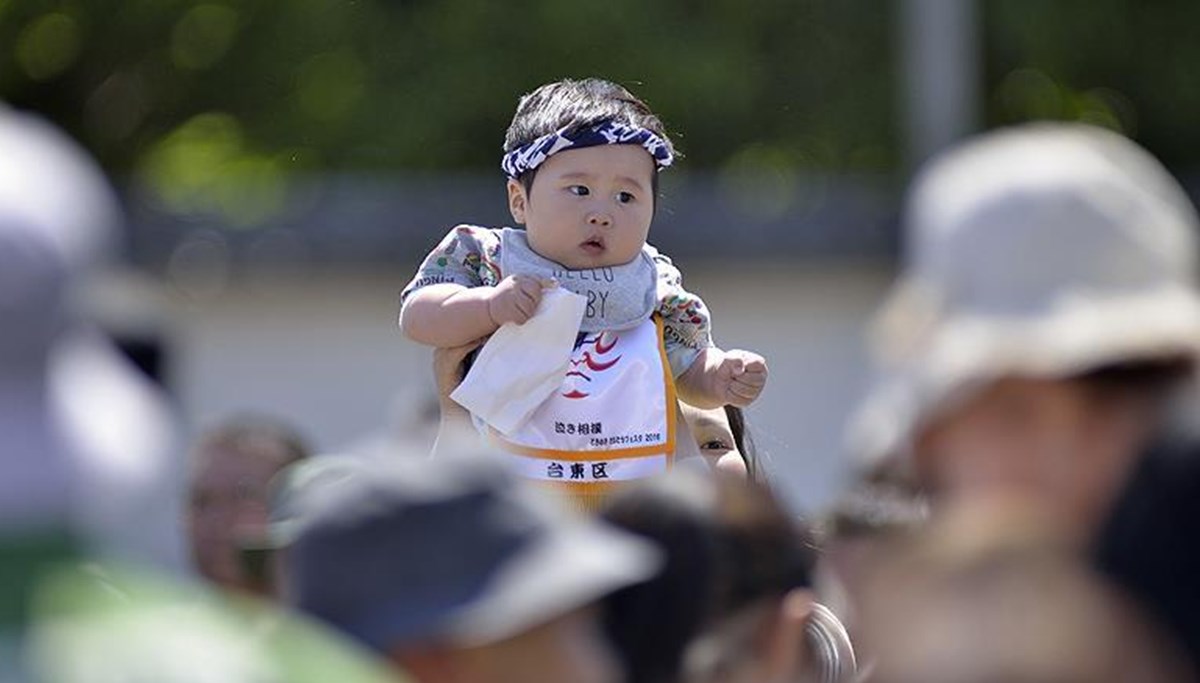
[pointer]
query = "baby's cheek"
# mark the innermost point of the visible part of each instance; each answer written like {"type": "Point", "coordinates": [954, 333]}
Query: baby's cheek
{"type": "Point", "coordinates": [732, 464]}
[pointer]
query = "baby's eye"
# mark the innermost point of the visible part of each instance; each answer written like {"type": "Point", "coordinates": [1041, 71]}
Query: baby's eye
{"type": "Point", "coordinates": [579, 190]}
{"type": "Point", "coordinates": [625, 197]}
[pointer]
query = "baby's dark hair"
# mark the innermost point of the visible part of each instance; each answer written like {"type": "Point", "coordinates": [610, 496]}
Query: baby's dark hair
{"type": "Point", "coordinates": [571, 105]}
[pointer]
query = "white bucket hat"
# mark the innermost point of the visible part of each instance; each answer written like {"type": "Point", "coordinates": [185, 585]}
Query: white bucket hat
{"type": "Point", "coordinates": [1042, 251]}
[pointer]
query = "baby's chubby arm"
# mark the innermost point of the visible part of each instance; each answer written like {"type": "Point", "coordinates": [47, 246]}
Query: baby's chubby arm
{"type": "Point", "coordinates": [717, 378]}
{"type": "Point", "coordinates": [446, 315]}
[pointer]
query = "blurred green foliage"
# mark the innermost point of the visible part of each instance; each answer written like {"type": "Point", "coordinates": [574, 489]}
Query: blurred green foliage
{"type": "Point", "coordinates": [192, 91]}
{"type": "Point", "coordinates": [1130, 65]}
{"type": "Point", "coordinates": [216, 104]}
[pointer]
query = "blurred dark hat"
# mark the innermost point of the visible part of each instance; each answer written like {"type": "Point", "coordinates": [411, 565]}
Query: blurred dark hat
{"type": "Point", "coordinates": [454, 549]}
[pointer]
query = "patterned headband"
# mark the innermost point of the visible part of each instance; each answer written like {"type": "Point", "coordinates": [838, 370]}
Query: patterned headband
{"type": "Point", "coordinates": [528, 157]}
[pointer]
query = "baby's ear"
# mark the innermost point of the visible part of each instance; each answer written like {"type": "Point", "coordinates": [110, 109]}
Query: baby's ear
{"type": "Point", "coordinates": [517, 201]}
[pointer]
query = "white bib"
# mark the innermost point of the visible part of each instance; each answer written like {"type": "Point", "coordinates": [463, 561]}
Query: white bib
{"type": "Point", "coordinates": [612, 420]}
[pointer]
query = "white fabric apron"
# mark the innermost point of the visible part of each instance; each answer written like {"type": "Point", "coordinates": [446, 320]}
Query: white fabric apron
{"type": "Point", "coordinates": [611, 421]}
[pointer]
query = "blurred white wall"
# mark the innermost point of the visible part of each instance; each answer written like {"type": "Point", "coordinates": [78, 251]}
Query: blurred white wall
{"type": "Point", "coordinates": [323, 352]}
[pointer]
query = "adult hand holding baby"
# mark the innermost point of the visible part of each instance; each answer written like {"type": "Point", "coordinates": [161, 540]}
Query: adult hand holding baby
{"type": "Point", "coordinates": [449, 369]}
{"type": "Point", "coordinates": [515, 299]}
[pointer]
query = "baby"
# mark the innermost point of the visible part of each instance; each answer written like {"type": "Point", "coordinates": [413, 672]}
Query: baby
{"type": "Point", "coordinates": [582, 160]}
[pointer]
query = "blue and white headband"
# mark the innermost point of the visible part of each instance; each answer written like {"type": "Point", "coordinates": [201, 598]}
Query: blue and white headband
{"type": "Point", "coordinates": [528, 157]}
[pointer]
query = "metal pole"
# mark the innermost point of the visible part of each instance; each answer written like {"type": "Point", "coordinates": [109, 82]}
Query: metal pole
{"type": "Point", "coordinates": [940, 52]}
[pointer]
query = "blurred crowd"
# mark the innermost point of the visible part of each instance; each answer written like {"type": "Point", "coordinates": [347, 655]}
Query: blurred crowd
{"type": "Point", "coordinates": [1025, 499]}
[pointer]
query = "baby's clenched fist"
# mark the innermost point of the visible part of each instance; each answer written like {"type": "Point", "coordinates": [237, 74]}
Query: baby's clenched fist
{"type": "Point", "coordinates": [741, 377]}
{"type": "Point", "coordinates": [516, 298]}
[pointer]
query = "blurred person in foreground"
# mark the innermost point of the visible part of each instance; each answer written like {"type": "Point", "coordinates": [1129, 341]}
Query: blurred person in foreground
{"type": "Point", "coordinates": [455, 570]}
{"type": "Point", "coordinates": [854, 535]}
{"type": "Point", "coordinates": [1045, 320]}
{"type": "Point", "coordinates": [89, 498]}
{"type": "Point", "coordinates": [734, 600]}
{"type": "Point", "coordinates": [232, 464]}
{"type": "Point", "coordinates": [84, 438]}
{"type": "Point", "coordinates": [92, 625]}
{"type": "Point", "coordinates": [123, 626]}
{"type": "Point", "coordinates": [989, 594]}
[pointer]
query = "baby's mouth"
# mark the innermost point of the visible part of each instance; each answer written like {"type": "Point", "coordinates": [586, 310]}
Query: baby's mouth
{"type": "Point", "coordinates": [594, 245]}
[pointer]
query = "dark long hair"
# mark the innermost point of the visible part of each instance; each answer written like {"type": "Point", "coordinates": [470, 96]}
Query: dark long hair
{"type": "Point", "coordinates": [744, 441]}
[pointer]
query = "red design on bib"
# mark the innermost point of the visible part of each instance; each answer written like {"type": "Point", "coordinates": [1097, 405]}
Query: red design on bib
{"type": "Point", "coordinates": [593, 364]}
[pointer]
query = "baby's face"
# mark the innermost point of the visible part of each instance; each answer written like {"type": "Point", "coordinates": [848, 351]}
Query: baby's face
{"type": "Point", "coordinates": [589, 207]}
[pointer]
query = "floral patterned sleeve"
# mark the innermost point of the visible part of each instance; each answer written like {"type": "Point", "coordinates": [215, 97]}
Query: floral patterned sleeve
{"type": "Point", "coordinates": [467, 256]}
{"type": "Point", "coordinates": [687, 326]}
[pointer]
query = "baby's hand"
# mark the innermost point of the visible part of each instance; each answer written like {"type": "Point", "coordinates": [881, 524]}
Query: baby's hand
{"type": "Point", "coordinates": [741, 377]}
{"type": "Point", "coordinates": [516, 298]}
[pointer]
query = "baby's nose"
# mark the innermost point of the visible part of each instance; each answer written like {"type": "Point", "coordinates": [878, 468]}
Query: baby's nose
{"type": "Point", "coordinates": [599, 219]}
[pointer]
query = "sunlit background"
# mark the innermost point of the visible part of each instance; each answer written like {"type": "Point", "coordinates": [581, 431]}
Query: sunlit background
{"type": "Point", "coordinates": [286, 165]}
